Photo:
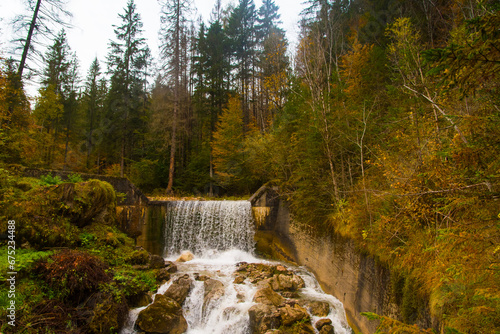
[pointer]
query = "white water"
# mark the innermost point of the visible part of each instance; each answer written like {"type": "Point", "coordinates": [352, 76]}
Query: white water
{"type": "Point", "coordinates": [218, 259]}
{"type": "Point", "coordinates": [198, 226]}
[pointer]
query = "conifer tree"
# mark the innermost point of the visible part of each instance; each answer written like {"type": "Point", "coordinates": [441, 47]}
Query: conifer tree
{"type": "Point", "coordinates": [127, 59]}
{"type": "Point", "coordinates": [93, 105]}
{"type": "Point", "coordinates": [172, 33]}
{"type": "Point", "coordinates": [241, 31]}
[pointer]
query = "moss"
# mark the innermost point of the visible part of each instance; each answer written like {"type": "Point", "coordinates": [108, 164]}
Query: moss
{"type": "Point", "coordinates": [108, 314]}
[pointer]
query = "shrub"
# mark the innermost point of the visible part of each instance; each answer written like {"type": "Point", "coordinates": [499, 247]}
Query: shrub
{"type": "Point", "coordinates": [49, 180]}
{"type": "Point", "coordinates": [74, 274]}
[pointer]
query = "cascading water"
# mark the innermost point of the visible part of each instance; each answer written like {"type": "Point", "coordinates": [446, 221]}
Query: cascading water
{"type": "Point", "coordinates": [220, 234]}
{"type": "Point", "coordinates": [199, 226]}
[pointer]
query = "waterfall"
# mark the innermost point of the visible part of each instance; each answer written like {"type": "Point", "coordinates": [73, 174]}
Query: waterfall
{"type": "Point", "coordinates": [221, 236]}
{"type": "Point", "coordinates": [201, 226]}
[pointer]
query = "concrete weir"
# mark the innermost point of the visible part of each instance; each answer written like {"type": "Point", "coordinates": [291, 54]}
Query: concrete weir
{"type": "Point", "coordinates": [360, 282]}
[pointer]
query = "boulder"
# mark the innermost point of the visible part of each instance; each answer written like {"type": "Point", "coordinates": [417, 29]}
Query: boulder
{"type": "Point", "coordinates": [163, 316]}
{"type": "Point", "coordinates": [214, 290]}
{"type": "Point", "coordinates": [319, 309]}
{"type": "Point", "coordinates": [185, 257]}
{"type": "Point", "coordinates": [327, 329]}
{"type": "Point", "coordinates": [156, 262]}
{"type": "Point", "coordinates": [171, 267]}
{"type": "Point", "coordinates": [292, 314]}
{"type": "Point", "coordinates": [322, 322]}
{"type": "Point", "coordinates": [268, 297]}
{"type": "Point", "coordinates": [179, 289]}
{"type": "Point", "coordinates": [239, 280]}
{"type": "Point", "coordinates": [162, 275]}
{"type": "Point", "coordinates": [263, 318]}
{"type": "Point", "coordinates": [201, 278]}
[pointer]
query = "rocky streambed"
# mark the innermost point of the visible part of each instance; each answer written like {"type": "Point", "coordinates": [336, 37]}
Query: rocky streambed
{"type": "Point", "coordinates": [233, 292]}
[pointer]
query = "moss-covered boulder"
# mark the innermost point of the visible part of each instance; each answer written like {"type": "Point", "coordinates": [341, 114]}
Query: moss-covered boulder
{"type": "Point", "coordinates": [52, 216]}
{"type": "Point", "coordinates": [88, 202]}
{"type": "Point", "coordinates": [108, 314]}
{"type": "Point", "coordinates": [163, 316]}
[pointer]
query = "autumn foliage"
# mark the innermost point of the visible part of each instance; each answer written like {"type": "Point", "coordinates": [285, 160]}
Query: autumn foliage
{"type": "Point", "coordinates": [74, 274]}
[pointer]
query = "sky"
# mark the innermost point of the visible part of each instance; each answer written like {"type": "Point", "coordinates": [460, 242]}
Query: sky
{"type": "Point", "coordinates": [93, 22]}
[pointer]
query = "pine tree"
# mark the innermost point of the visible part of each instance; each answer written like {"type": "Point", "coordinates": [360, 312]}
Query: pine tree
{"type": "Point", "coordinates": [127, 60]}
{"type": "Point", "coordinates": [172, 33]}
{"type": "Point", "coordinates": [93, 105]}
{"type": "Point", "coordinates": [241, 31]}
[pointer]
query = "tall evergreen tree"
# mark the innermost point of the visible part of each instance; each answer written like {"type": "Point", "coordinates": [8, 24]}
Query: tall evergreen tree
{"type": "Point", "coordinates": [174, 26]}
{"type": "Point", "coordinates": [241, 31]}
{"type": "Point", "coordinates": [127, 59]}
{"type": "Point", "coordinates": [56, 108]}
{"type": "Point", "coordinates": [93, 105]}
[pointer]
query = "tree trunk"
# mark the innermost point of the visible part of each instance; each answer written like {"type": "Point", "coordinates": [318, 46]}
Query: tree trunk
{"type": "Point", "coordinates": [28, 40]}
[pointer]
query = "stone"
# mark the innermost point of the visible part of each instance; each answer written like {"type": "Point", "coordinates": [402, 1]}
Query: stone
{"type": "Point", "coordinates": [268, 297]}
{"type": "Point", "coordinates": [156, 262]}
{"type": "Point", "coordinates": [201, 278]}
{"type": "Point", "coordinates": [327, 329]}
{"type": "Point", "coordinates": [214, 290]}
{"type": "Point", "coordinates": [239, 280]}
{"type": "Point", "coordinates": [144, 299]}
{"type": "Point", "coordinates": [185, 257]}
{"type": "Point", "coordinates": [171, 267]}
{"type": "Point", "coordinates": [162, 275]}
{"type": "Point", "coordinates": [263, 318]}
{"type": "Point", "coordinates": [285, 282]}
{"type": "Point", "coordinates": [319, 309]}
{"type": "Point", "coordinates": [322, 322]}
{"type": "Point", "coordinates": [180, 288]}
{"type": "Point", "coordinates": [297, 282]}
{"type": "Point", "coordinates": [163, 316]}
{"type": "Point", "coordinates": [292, 314]}
{"type": "Point", "coordinates": [281, 268]}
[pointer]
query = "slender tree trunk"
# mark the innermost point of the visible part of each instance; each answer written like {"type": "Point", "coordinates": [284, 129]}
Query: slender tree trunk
{"type": "Point", "coordinates": [28, 39]}
{"type": "Point", "coordinates": [176, 65]}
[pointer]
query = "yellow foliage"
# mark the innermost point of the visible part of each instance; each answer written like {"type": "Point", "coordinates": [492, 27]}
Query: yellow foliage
{"type": "Point", "coordinates": [353, 65]}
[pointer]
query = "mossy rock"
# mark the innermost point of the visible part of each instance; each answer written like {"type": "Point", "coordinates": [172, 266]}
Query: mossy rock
{"type": "Point", "coordinates": [163, 316]}
{"type": "Point", "coordinates": [108, 315]}
{"type": "Point", "coordinates": [138, 256]}
{"type": "Point", "coordinates": [88, 202]}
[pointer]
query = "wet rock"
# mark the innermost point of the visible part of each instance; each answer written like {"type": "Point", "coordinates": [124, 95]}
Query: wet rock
{"type": "Point", "coordinates": [162, 275]}
{"type": "Point", "coordinates": [201, 278]}
{"type": "Point", "coordinates": [290, 294]}
{"type": "Point", "coordinates": [319, 309]}
{"type": "Point", "coordinates": [281, 268]}
{"type": "Point", "coordinates": [263, 318]}
{"type": "Point", "coordinates": [322, 322]}
{"type": "Point", "coordinates": [285, 282]}
{"type": "Point", "coordinates": [144, 299]}
{"type": "Point", "coordinates": [327, 329]}
{"type": "Point", "coordinates": [171, 267]}
{"type": "Point", "coordinates": [163, 316]}
{"type": "Point", "coordinates": [268, 297]}
{"type": "Point", "coordinates": [297, 282]}
{"type": "Point", "coordinates": [239, 280]}
{"type": "Point", "coordinates": [292, 314]}
{"type": "Point", "coordinates": [214, 290]}
{"type": "Point", "coordinates": [185, 257]}
{"type": "Point", "coordinates": [180, 288]}
{"type": "Point", "coordinates": [156, 262]}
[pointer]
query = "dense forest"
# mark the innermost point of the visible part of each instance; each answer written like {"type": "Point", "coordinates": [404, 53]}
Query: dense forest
{"type": "Point", "coordinates": [383, 126]}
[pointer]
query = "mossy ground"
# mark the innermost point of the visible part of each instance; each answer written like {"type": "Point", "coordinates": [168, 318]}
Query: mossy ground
{"type": "Point", "coordinates": [76, 271]}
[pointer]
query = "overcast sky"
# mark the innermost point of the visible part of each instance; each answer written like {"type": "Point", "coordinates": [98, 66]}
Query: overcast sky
{"type": "Point", "coordinates": [93, 22]}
